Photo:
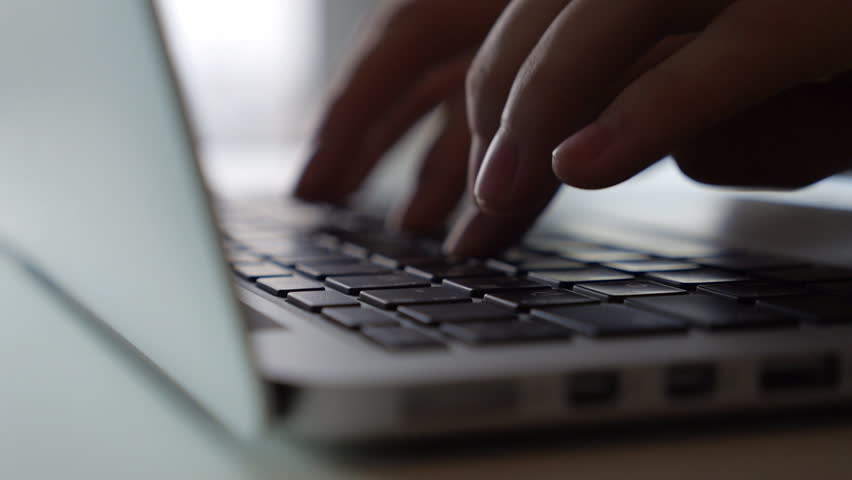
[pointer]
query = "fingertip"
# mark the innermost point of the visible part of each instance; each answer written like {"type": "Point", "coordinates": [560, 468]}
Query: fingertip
{"type": "Point", "coordinates": [577, 161]}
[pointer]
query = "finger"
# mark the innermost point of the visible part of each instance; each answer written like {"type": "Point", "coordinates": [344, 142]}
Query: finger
{"type": "Point", "coordinates": [564, 83]}
{"type": "Point", "coordinates": [391, 56]}
{"type": "Point", "coordinates": [440, 182]}
{"type": "Point", "coordinates": [477, 233]}
{"type": "Point", "coordinates": [792, 140]}
{"type": "Point", "coordinates": [496, 65]}
{"type": "Point", "coordinates": [725, 70]}
{"type": "Point", "coordinates": [435, 87]}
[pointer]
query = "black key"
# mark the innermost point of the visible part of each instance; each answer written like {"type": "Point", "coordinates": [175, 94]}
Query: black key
{"type": "Point", "coordinates": [359, 317]}
{"type": "Point", "coordinates": [456, 313]}
{"type": "Point", "coordinates": [691, 278]}
{"type": "Point", "coordinates": [608, 255]}
{"type": "Point", "coordinates": [445, 270]}
{"type": "Point", "coordinates": [820, 273]}
{"type": "Point", "coordinates": [517, 256]}
{"type": "Point", "coordinates": [478, 286]}
{"type": "Point", "coordinates": [323, 270]}
{"type": "Point", "coordinates": [814, 308]}
{"type": "Point", "coordinates": [833, 288]}
{"type": "Point", "coordinates": [354, 250]}
{"type": "Point", "coordinates": [317, 300]}
{"type": "Point", "coordinates": [609, 320]}
{"type": "Point", "coordinates": [744, 262]}
{"type": "Point", "coordinates": [353, 285]}
{"type": "Point", "coordinates": [400, 338]}
{"type": "Point", "coordinates": [747, 291]}
{"type": "Point", "coordinates": [400, 261]}
{"type": "Point", "coordinates": [543, 264]}
{"type": "Point", "coordinates": [313, 259]}
{"type": "Point", "coordinates": [506, 331]}
{"type": "Point", "coordinates": [628, 288]}
{"type": "Point", "coordinates": [643, 266]}
{"type": "Point", "coordinates": [570, 277]}
{"type": "Point", "coordinates": [537, 298]}
{"type": "Point", "coordinates": [261, 270]}
{"type": "Point", "coordinates": [714, 313]}
{"type": "Point", "coordinates": [281, 286]}
{"type": "Point", "coordinates": [398, 256]}
{"type": "Point", "coordinates": [394, 297]}
{"type": "Point", "coordinates": [558, 244]}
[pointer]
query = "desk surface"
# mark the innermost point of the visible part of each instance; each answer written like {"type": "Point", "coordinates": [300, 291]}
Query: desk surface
{"type": "Point", "coordinates": [72, 408]}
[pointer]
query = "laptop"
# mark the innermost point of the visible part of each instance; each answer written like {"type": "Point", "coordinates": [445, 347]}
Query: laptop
{"type": "Point", "coordinates": [657, 299]}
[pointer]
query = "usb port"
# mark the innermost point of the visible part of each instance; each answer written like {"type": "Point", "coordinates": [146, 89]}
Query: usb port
{"type": "Point", "coordinates": [794, 373]}
{"type": "Point", "coordinates": [593, 388]}
{"type": "Point", "coordinates": [693, 380]}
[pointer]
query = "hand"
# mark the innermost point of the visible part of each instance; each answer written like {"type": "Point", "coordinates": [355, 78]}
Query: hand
{"type": "Point", "coordinates": [727, 86]}
{"type": "Point", "coordinates": [735, 90]}
{"type": "Point", "coordinates": [414, 57]}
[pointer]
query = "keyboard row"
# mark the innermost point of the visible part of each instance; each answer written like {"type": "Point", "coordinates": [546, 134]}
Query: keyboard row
{"type": "Point", "coordinates": [402, 310]}
{"type": "Point", "coordinates": [407, 295]}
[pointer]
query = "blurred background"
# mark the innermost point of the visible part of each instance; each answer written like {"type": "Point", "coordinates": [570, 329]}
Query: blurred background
{"type": "Point", "coordinates": [254, 71]}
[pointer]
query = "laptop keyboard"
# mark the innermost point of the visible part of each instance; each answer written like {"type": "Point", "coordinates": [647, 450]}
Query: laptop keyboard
{"type": "Point", "coordinates": [402, 294]}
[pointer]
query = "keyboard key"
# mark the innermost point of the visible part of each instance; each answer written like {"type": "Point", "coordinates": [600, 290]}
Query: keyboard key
{"type": "Point", "coordinates": [537, 299]}
{"type": "Point", "coordinates": [748, 291]}
{"type": "Point", "coordinates": [689, 279]}
{"type": "Point", "coordinates": [714, 313]}
{"type": "Point", "coordinates": [506, 331]}
{"type": "Point", "coordinates": [602, 256]}
{"type": "Point", "coordinates": [643, 266]}
{"type": "Point", "coordinates": [628, 288]}
{"type": "Point", "coordinates": [557, 244]}
{"type": "Point", "coordinates": [543, 264]}
{"type": "Point", "coordinates": [400, 338]}
{"type": "Point", "coordinates": [281, 286]}
{"type": "Point", "coordinates": [568, 278]}
{"type": "Point", "coordinates": [833, 288]}
{"type": "Point", "coordinates": [609, 320]}
{"type": "Point", "coordinates": [354, 284]}
{"type": "Point", "coordinates": [825, 309]}
{"type": "Point", "coordinates": [323, 270]}
{"type": "Point", "coordinates": [359, 317]}
{"type": "Point", "coordinates": [820, 273]}
{"type": "Point", "coordinates": [479, 286]}
{"type": "Point", "coordinates": [354, 250]}
{"type": "Point", "coordinates": [456, 313]}
{"type": "Point", "coordinates": [745, 262]}
{"type": "Point", "coordinates": [394, 297]}
{"type": "Point", "coordinates": [252, 272]}
{"type": "Point", "coordinates": [313, 259]}
{"type": "Point", "coordinates": [317, 300]}
{"type": "Point", "coordinates": [441, 271]}
{"type": "Point", "coordinates": [400, 261]}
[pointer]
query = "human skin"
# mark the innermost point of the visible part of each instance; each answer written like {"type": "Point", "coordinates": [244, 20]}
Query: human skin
{"type": "Point", "coordinates": [537, 93]}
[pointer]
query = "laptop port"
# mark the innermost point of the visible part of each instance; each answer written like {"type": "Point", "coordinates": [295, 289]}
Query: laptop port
{"type": "Point", "coordinates": [593, 388]}
{"type": "Point", "coordinates": [804, 372]}
{"type": "Point", "coordinates": [689, 381]}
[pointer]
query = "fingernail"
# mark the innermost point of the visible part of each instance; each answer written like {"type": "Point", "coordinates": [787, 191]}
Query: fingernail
{"type": "Point", "coordinates": [496, 179]}
{"type": "Point", "coordinates": [583, 147]}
